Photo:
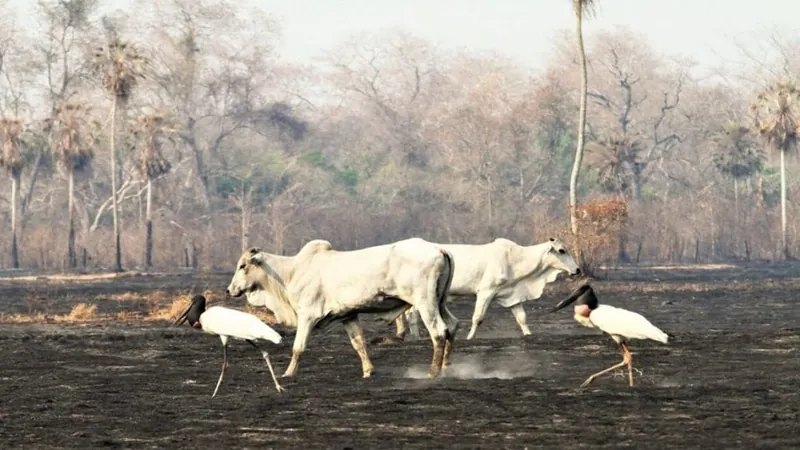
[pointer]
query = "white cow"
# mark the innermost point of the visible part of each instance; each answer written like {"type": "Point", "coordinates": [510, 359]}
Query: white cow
{"type": "Point", "coordinates": [321, 286]}
{"type": "Point", "coordinates": [503, 271]}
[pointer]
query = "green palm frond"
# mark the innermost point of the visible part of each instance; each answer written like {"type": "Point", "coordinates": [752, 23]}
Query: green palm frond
{"type": "Point", "coordinates": [735, 152]}
{"type": "Point", "coordinates": [615, 158]}
{"type": "Point", "coordinates": [776, 114]}
{"type": "Point", "coordinates": [121, 66]}
{"type": "Point", "coordinates": [11, 158]}
{"type": "Point", "coordinates": [586, 7]}
{"type": "Point", "coordinates": [150, 131]}
{"type": "Point", "coordinates": [73, 145]}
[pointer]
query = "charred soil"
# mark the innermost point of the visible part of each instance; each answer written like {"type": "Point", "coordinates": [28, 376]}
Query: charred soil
{"type": "Point", "coordinates": [728, 378]}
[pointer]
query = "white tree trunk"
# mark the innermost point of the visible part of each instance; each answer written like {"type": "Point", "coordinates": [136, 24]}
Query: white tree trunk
{"type": "Point", "coordinates": [72, 257]}
{"type": "Point", "coordinates": [14, 195]}
{"type": "Point", "coordinates": [784, 243]}
{"type": "Point", "coordinates": [148, 239]}
{"type": "Point", "coordinates": [114, 206]}
{"type": "Point", "coordinates": [576, 166]}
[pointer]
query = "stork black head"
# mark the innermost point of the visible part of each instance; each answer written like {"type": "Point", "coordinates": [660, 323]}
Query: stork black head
{"type": "Point", "coordinates": [584, 295]}
{"type": "Point", "coordinates": [192, 313]}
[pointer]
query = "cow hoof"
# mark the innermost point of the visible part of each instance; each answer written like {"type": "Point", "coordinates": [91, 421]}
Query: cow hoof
{"type": "Point", "coordinates": [368, 374]}
{"type": "Point", "coordinates": [383, 340]}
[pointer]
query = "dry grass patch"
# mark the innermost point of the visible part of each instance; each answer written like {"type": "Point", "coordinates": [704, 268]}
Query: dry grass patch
{"type": "Point", "coordinates": [82, 312]}
{"type": "Point", "coordinates": [171, 311]}
{"type": "Point", "coordinates": [265, 316]}
{"type": "Point", "coordinates": [26, 318]}
{"type": "Point", "coordinates": [74, 277]}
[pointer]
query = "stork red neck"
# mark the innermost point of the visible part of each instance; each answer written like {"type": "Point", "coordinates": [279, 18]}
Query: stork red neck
{"type": "Point", "coordinates": [583, 310]}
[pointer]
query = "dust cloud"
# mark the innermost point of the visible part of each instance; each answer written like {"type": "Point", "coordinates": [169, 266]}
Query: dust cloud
{"type": "Point", "coordinates": [479, 367]}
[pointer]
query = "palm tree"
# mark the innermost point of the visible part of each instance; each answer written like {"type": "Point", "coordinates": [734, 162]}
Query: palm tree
{"type": "Point", "coordinates": [580, 7]}
{"type": "Point", "coordinates": [736, 156]}
{"type": "Point", "coordinates": [121, 66]}
{"type": "Point", "coordinates": [150, 129]}
{"type": "Point", "coordinates": [74, 151]}
{"type": "Point", "coordinates": [619, 166]}
{"type": "Point", "coordinates": [11, 159]}
{"type": "Point", "coordinates": [617, 160]}
{"type": "Point", "coordinates": [776, 119]}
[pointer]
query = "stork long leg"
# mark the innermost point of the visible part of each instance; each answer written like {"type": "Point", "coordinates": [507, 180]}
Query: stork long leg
{"type": "Point", "coordinates": [269, 366]}
{"type": "Point", "coordinates": [626, 361]}
{"type": "Point", "coordinates": [626, 354]}
{"type": "Point", "coordinates": [224, 366]}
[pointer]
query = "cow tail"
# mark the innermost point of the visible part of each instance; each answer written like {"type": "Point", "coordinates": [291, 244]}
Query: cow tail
{"type": "Point", "coordinates": [446, 278]}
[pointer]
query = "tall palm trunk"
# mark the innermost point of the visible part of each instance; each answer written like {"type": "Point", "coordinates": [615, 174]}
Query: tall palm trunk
{"type": "Point", "coordinates": [14, 195]}
{"type": "Point", "coordinates": [784, 243]}
{"type": "Point", "coordinates": [737, 221]}
{"type": "Point", "coordinates": [148, 240]}
{"type": "Point", "coordinates": [573, 179]}
{"type": "Point", "coordinates": [245, 225]}
{"type": "Point", "coordinates": [115, 208]}
{"type": "Point", "coordinates": [72, 257]}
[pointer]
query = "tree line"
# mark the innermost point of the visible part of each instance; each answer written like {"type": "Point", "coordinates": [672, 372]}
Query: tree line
{"type": "Point", "coordinates": [175, 134]}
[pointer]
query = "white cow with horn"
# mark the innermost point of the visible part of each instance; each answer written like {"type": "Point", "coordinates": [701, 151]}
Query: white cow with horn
{"type": "Point", "coordinates": [502, 271]}
{"type": "Point", "coordinates": [321, 286]}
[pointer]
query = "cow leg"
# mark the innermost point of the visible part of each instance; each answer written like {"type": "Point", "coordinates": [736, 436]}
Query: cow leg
{"type": "Point", "coordinates": [304, 326]}
{"type": "Point", "coordinates": [400, 329]}
{"type": "Point", "coordinates": [438, 331]}
{"type": "Point", "coordinates": [452, 327]}
{"type": "Point", "coordinates": [519, 314]}
{"type": "Point", "coordinates": [400, 325]}
{"type": "Point", "coordinates": [484, 297]}
{"type": "Point", "coordinates": [356, 333]}
{"type": "Point", "coordinates": [412, 315]}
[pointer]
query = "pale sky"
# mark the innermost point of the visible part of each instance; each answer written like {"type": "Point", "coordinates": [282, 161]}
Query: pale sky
{"type": "Point", "coordinates": [704, 30]}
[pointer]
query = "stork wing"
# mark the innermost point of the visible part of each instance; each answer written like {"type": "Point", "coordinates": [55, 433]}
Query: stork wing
{"type": "Point", "coordinates": [237, 324]}
{"type": "Point", "coordinates": [625, 323]}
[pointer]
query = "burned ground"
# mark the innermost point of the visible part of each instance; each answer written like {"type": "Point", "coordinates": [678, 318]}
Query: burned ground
{"type": "Point", "coordinates": [728, 378]}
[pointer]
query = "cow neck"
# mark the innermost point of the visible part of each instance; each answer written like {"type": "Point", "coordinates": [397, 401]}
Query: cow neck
{"type": "Point", "coordinates": [276, 273]}
{"type": "Point", "coordinates": [527, 260]}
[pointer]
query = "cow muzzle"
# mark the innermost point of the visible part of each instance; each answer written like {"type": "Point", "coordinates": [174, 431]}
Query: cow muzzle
{"type": "Point", "coordinates": [233, 292]}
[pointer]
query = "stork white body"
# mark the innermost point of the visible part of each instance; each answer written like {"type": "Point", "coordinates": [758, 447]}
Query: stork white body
{"type": "Point", "coordinates": [230, 323]}
{"type": "Point", "coordinates": [622, 325]}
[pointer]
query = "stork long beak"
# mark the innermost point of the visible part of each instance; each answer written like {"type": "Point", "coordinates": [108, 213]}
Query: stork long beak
{"type": "Point", "coordinates": [572, 297]}
{"type": "Point", "coordinates": [183, 317]}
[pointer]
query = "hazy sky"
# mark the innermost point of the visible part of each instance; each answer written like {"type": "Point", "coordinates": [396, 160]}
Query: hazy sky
{"type": "Point", "coordinates": [705, 30]}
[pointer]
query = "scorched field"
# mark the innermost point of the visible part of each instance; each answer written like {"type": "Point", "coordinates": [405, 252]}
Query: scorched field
{"type": "Point", "coordinates": [111, 372]}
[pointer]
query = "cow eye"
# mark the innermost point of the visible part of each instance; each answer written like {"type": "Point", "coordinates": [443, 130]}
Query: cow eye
{"type": "Point", "coordinates": [562, 251]}
{"type": "Point", "coordinates": [241, 267]}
